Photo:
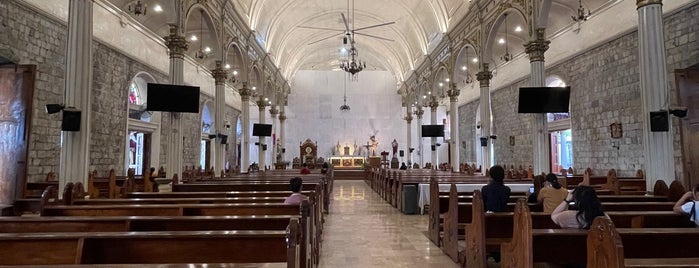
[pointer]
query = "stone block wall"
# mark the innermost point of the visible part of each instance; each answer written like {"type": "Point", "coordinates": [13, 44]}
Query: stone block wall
{"type": "Point", "coordinates": [467, 126]}
{"type": "Point", "coordinates": [507, 122]}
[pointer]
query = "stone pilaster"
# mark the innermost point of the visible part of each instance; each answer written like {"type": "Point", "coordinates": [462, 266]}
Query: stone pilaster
{"type": "Point", "coordinates": [273, 112]}
{"type": "Point", "coordinates": [177, 46]}
{"type": "Point", "coordinates": [409, 131]}
{"type": "Point", "coordinates": [220, 75]}
{"type": "Point", "coordinates": [434, 104]}
{"type": "Point", "coordinates": [453, 94]}
{"type": "Point", "coordinates": [484, 77]}
{"type": "Point", "coordinates": [282, 131]}
{"type": "Point", "coordinates": [657, 146]}
{"type": "Point", "coordinates": [261, 105]}
{"type": "Point", "coordinates": [245, 94]}
{"type": "Point", "coordinates": [419, 112]}
{"type": "Point", "coordinates": [78, 81]}
{"type": "Point", "coordinates": [536, 49]}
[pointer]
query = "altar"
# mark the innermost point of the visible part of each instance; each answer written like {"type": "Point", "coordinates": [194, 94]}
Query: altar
{"type": "Point", "coordinates": [346, 161]}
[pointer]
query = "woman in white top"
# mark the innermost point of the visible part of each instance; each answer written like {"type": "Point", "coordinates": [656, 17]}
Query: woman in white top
{"type": "Point", "coordinates": [688, 205]}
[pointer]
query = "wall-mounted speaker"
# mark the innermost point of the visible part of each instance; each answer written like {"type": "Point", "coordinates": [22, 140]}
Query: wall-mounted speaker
{"type": "Point", "coordinates": [71, 120]}
{"type": "Point", "coordinates": [401, 153]}
{"type": "Point", "coordinates": [659, 121]}
{"type": "Point", "coordinates": [224, 138]}
{"type": "Point", "coordinates": [434, 148]}
{"type": "Point", "coordinates": [484, 141]}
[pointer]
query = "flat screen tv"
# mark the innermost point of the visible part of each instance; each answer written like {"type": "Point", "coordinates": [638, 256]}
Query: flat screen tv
{"type": "Point", "coordinates": [429, 131]}
{"type": "Point", "coordinates": [537, 100]}
{"type": "Point", "coordinates": [172, 98]}
{"type": "Point", "coordinates": [262, 130]}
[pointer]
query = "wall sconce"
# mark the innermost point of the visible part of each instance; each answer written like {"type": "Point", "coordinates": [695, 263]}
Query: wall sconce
{"type": "Point", "coordinates": [616, 131]}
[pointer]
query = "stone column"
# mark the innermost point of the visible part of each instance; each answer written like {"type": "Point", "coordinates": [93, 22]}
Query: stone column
{"type": "Point", "coordinates": [75, 154]}
{"type": "Point", "coordinates": [409, 132]}
{"type": "Point", "coordinates": [220, 75]}
{"type": "Point", "coordinates": [273, 112]}
{"type": "Point", "coordinates": [419, 113]}
{"type": "Point", "coordinates": [282, 133]}
{"type": "Point", "coordinates": [484, 77]}
{"type": "Point", "coordinates": [453, 94]}
{"type": "Point", "coordinates": [657, 146]}
{"type": "Point", "coordinates": [261, 104]}
{"type": "Point", "coordinates": [535, 49]}
{"type": "Point", "coordinates": [245, 146]}
{"type": "Point", "coordinates": [177, 46]}
{"type": "Point", "coordinates": [433, 141]}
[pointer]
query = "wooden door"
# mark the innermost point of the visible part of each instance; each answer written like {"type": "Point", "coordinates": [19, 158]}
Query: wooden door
{"type": "Point", "coordinates": [688, 91]}
{"type": "Point", "coordinates": [16, 90]}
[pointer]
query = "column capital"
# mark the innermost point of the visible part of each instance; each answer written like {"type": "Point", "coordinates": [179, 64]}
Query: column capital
{"type": "Point", "coordinates": [536, 48]}
{"type": "Point", "coordinates": [220, 75]}
{"type": "Point", "coordinates": [433, 104]}
{"type": "Point", "coordinates": [642, 3]}
{"type": "Point", "coordinates": [244, 92]}
{"type": "Point", "coordinates": [453, 93]}
{"type": "Point", "coordinates": [419, 112]}
{"type": "Point", "coordinates": [282, 116]}
{"type": "Point", "coordinates": [176, 44]}
{"type": "Point", "coordinates": [261, 104]}
{"type": "Point", "coordinates": [484, 76]}
{"type": "Point", "coordinates": [408, 118]}
{"type": "Point", "coordinates": [274, 111]}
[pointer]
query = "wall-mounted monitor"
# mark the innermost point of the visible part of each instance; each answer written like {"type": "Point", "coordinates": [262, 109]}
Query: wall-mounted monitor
{"type": "Point", "coordinates": [172, 98]}
{"type": "Point", "coordinates": [537, 100]}
{"type": "Point", "coordinates": [262, 130]}
{"type": "Point", "coordinates": [429, 131]}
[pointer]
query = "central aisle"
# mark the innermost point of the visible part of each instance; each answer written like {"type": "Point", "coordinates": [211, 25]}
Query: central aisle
{"type": "Point", "coordinates": [362, 230]}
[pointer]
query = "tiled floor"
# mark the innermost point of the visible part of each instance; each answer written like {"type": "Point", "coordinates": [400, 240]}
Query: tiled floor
{"type": "Point", "coordinates": [362, 230]}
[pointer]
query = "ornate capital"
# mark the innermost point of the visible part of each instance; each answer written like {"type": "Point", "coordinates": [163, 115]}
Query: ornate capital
{"type": "Point", "coordinates": [453, 93]}
{"type": "Point", "coordinates": [642, 3]}
{"type": "Point", "coordinates": [419, 112]}
{"type": "Point", "coordinates": [261, 104]}
{"type": "Point", "coordinates": [274, 111]}
{"type": "Point", "coordinates": [408, 118]}
{"type": "Point", "coordinates": [433, 104]}
{"type": "Point", "coordinates": [220, 75]}
{"type": "Point", "coordinates": [282, 117]}
{"type": "Point", "coordinates": [244, 92]}
{"type": "Point", "coordinates": [535, 49]}
{"type": "Point", "coordinates": [484, 76]}
{"type": "Point", "coordinates": [176, 43]}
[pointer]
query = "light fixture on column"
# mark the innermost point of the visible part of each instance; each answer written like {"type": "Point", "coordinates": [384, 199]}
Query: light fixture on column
{"type": "Point", "coordinates": [507, 57]}
{"type": "Point", "coordinates": [138, 8]}
{"type": "Point", "coordinates": [202, 53]}
{"type": "Point", "coordinates": [581, 16]}
{"type": "Point", "coordinates": [344, 107]}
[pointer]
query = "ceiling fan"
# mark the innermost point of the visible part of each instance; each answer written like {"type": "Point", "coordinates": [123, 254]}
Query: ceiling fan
{"type": "Point", "coordinates": [349, 33]}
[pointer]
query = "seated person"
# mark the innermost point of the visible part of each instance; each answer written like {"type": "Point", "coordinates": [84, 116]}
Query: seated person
{"type": "Point", "coordinates": [552, 194]}
{"type": "Point", "coordinates": [538, 184]}
{"type": "Point", "coordinates": [688, 205]}
{"type": "Point", "coordinates": [305, 170]}
{"type": "Point", "coordinates": [153, 173]}
{"type": "Point", "coordinates": [588, 207]}
{"type": "Point", "coordinates": [496, 194]}
{"type": "Point", "coordinates": [296, 197]}
{"type": "Point", "coordinates": [403, 166]}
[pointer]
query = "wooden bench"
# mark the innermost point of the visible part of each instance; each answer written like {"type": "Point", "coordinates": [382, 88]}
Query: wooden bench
{"type": "Point", "coordinates": [152, 247]}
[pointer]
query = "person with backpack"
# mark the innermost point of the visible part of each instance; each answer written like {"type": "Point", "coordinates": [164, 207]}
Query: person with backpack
{"type": "Point", "coordinates": [687, 205]}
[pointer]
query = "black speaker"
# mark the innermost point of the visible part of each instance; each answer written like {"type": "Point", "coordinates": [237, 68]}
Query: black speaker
{"type": "Point", "coordinates": [283, 150]}
{"type": "Point", "coordinates": [401, 153]}
{"type": "Point", "coordinates": [71, 120]}
{"type": "Point", "coordinates": [264, 147]}
{"type": "Point", "coordinates": [224, 138]}
{"type": "Point", "coordinates": [484, 141]}
{"type": "Point", "coordinates": [659, 121]}
{"type": "Point", "coordinates": [434, 148]}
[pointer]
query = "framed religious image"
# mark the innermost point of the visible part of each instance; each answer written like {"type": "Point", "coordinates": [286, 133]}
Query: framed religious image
{"type": "Point", "coordinates": [616, 131]}
{"type": "Point", "coordinates": [335, 161]}
{"type": "Point", "coordinates": [358, 161]}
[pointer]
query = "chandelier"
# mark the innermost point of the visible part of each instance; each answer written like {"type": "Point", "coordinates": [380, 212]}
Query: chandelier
{"type": "Point", "coordinates": [581, 16]}
{"type": "Point", "coordinates": [344, 107]}
{"type": "Point", "coordinates": [507, 57]}
{"type": "Point", "coordinates": [202, 53]}
{"type": "Point", "coordinates": [138, 8]}
{"type": "Point", "coordinates": [353, 66]}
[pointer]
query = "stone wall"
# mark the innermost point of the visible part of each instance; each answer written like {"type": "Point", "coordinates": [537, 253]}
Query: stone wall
{"type": "Point", "coordinates": [467, 126]}
{"type": "Point", "coordinates": [507, 122]}
{"type": "Point", "coordinates": [34, 39]}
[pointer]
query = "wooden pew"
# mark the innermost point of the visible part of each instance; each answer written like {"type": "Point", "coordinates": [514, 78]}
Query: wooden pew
{"type": "Point", "coordinates": [152, 247]}
{"type": "Point", "coordinates": [545, 245]}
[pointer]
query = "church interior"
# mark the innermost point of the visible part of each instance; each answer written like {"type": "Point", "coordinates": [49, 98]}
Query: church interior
{"type": "Point", "coordinates": [142, 132]}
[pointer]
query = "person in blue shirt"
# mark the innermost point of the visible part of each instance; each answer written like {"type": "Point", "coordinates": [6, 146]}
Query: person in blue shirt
{"type": "Point", "coordinates": [496, 194]}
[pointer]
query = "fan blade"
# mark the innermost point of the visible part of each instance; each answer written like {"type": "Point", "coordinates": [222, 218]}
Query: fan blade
{"type": "Point", "coordinates": [374, 26]}
{"type": "Point", "coordinates": [325, 38]}
{"type": "Point", "coordinates": [374, 36]}
{"type": "Point", "coordinates": [320, 28]}
{"type": "Point", "coordinates": [344, 19]}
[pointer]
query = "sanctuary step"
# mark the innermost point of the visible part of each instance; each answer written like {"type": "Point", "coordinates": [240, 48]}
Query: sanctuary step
{"type": "Point", "coordinates": [349, 174]}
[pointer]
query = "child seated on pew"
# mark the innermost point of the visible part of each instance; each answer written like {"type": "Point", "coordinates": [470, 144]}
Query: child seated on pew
{"type": "Point", "coordinates": [688, 205]}
{"type": "Point", "coordinates": [296, 197]}
{"type": "Point", "coordinates": [588, 207]}
{"type": "Point", "coordinates": [552, 194]}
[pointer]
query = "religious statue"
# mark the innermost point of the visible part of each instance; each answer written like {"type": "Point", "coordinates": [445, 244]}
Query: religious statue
{"type": "Point", "coordinates": [394, 144]}
{"type": "Point", "coordinates": [279, 151]}
{"type": "Point", "coordinates": [355, 148]}
{"type": "Point", "coordinates": [337, 148]}
{"type": "Point", "coordinates": [374, 145]}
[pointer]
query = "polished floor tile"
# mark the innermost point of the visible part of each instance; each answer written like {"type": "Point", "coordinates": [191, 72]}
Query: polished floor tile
{"type": "Point", "coordinates": [362, 230]}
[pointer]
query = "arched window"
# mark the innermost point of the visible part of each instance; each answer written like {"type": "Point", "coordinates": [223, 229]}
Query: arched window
{"type": "Point", "coordinates": [134, 94]}
{"type": "Point", "coordinates": [555, 81]}
{"type": "Point", "coordinates": [560, 134]}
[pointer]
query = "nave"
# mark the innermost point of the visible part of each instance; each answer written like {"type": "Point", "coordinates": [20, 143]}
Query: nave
{"type": "Point", "coordinates": [362, 230]}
